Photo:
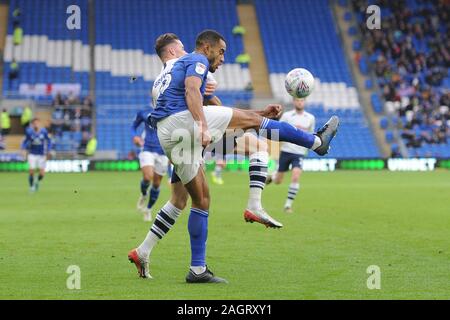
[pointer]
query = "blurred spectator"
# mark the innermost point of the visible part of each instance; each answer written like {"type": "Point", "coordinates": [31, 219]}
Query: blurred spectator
{"type": "Point", "coordinates": [87, 102]}
{"type": "Point", "coordinates": [2, 142]}
{"type": "Point", "coordinates": [57, 122]}
{"type": "Point", "coordinates": [17, 34]}
{"type": "Point", "coordinates": [58, 101]}
{"type": "Point", "coordinates": [5, 122]}
{"type": "Point", "coordinates": [16, 14]}
{"type": "Point", "coordinates": [26, 117]}
{"type": "Point", "coordinates": [13, 72]}
{"type": "Point", "coordinates": [91, 146]}
{"type": "Point", "coordinates": [71, 123]}
{"type": "Point", "coordinates": [410, 55]}
{"type": "Point", "coordinates": [72, 99]}
{"type": "Point", "coordinates": [131, 155]}
{"type": "Point", "coordinates": [395, 152]}
{"type": "Point", "coordinates": [244, 59]}
{"type": "Point", "coordinates": [238, 30]}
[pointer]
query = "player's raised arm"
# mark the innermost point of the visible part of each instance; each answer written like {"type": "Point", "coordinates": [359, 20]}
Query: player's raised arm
{"type": "Point", "coordinates": [25, 146]}
{"type": "Point", "coordinates": [136, 123]}
{"type": "Point", "coordinates": [49, 143]}
{"type": "Point", "coordinates": [26, 141]}
{"type": "Point", "coordinates": [194, 101]}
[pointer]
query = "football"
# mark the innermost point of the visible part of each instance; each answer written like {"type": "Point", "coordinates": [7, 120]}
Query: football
{"type": "Point", "coordinates": [299, 83]}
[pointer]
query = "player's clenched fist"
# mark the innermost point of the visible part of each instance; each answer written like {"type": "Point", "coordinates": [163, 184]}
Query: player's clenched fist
{"type": "Point", "coordinates": [273, 111]}
{"type": "Point", "coordinates": [205, 136]}
{"type": "Point", "coordinates": [138, 141]}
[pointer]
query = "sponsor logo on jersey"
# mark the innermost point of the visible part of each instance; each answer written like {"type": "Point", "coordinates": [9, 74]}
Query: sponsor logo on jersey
{"type": "Point", "coordinates": [200, 68]}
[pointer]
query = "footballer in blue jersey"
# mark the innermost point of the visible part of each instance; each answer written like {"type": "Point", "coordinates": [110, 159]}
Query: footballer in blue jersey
{"type": "Point", "coordinates": [152, 160]}
{"type": "Point", "coordinates": [37, 144]}
{"type": "Point", "coordinates": [172, 97]}
{"type": "Point", "coordinates": [185, 127]}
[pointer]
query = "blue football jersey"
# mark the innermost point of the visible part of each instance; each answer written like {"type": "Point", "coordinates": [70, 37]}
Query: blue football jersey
{"type": "Point", "coordinates": [151, 141]}
{"type": "Point", "coordinates": [172, 92]}
{"type": "Point", "coordinates": [34, 141]}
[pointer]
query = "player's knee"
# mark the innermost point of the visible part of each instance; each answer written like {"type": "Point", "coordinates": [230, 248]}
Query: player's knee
{"type": "Point", "coordinates": [147, 176]}
{"type": "Point", "coordinates": [179, 200]}
{"type": "Point", "coordinates": [295, 175]}
{"type": "Point", "coordinates": [262, 146]}
{"type": "Point", "coordinates": [156, 182]}
{"type": "Point", "coordinates": [201, 202]}
{"type": "Point", "coordinates": [246, 120]}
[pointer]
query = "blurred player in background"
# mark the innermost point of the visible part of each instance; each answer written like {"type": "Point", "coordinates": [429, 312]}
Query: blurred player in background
{"type": "Point", "coordinates": [37, 144]}
{"type": "Point", "coordinates": [152, 160]}
{"type": "Point", "coordinates": [291, 155]}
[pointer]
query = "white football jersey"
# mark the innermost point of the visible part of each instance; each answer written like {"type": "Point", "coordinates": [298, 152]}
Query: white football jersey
{"type": "Point", "coordinates": [162, 80]}
{"type": "Point", "coordinates": [304, 121]}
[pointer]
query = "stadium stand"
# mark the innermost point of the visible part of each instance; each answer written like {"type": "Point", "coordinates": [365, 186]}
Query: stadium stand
{"type": "Point", "coordinates": [315, 45]}
{"type": "Point", "coordinates": [126, 65]}
{"type": "Point", "coordinates": [71, 124]}
{"type": "Point", "coordinates": [49, 53]}
{"type": "Point", "coordinates": [410, 59]}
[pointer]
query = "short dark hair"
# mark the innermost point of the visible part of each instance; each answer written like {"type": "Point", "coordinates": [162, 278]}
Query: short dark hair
{"type": "Point", "coordinates": [163, 40]}
{"type": "Point", "coordinates": [211, 37]}
{"type": "Point", "coordinates": [34, 119]}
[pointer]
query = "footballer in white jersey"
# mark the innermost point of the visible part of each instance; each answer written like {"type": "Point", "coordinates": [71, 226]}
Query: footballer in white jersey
{"type": "Point", "coordinates": [302, 120]}
{"type": "Point", "coordinates": [291, 155]}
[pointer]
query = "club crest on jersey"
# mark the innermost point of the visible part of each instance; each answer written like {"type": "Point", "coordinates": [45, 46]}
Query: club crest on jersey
{"type": "Point", "coordinates": [200, 68]}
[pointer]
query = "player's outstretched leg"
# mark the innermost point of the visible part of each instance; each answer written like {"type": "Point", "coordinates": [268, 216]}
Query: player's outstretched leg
{"type": "Point", "coordinates": [326, 134]}
{"type": "Point", "coordinates": [318, 142]}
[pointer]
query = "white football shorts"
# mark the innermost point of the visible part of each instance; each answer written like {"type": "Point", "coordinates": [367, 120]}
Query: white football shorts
{"type": "Point", "coordinates": [158, 161]}
{"type": "Point", "coordinates": [179, 137]}
{"type": "Point", "coordinates": [36, 161]}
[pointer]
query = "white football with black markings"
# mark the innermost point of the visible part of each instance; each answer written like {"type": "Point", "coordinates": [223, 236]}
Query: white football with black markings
{"type": "Point", "coordinates": [299, 83]}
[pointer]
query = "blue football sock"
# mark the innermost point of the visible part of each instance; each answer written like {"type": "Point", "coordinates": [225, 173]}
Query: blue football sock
{"type": "Point", "coordinates": [198, 232]}
{"type": "Point", "coordinates": [287, 132]}
{"type": "Point", "coordinates": [31, 180]}
{"type": "Point", "coordinates": [154, 194]}
{"type": "Point", "coordinates": [144, 187]}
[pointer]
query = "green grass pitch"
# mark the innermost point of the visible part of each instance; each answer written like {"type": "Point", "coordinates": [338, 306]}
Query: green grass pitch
{"type": "Point", "coordinates": [342, 223]}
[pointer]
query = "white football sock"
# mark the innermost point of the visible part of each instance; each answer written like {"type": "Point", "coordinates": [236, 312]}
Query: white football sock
{"type": "Point", "coordinates": [198, 270]}
{"type": "Point", "coordinates": [164, 221]}
{"type": "Point", "coordinates": [258, 176]}
{"type": "Point", "coordinates": [317, 143]}
{"type": "Point", "coordinates": [293, 189]}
